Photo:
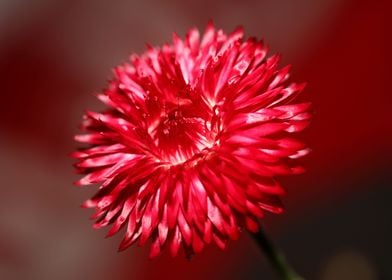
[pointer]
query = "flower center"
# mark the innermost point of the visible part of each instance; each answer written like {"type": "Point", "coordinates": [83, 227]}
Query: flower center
{"type": "Point", "coordinates": [180, 136]}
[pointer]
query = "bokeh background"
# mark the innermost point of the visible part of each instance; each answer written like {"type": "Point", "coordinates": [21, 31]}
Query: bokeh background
{"type": "Point", "coordinates": [55, 54]}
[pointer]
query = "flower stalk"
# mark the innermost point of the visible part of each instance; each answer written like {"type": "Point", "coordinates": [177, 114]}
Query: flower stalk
{"type": "Point", "coordinates": [275, 257]}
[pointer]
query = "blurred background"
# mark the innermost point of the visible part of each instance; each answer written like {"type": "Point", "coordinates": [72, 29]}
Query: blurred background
{"type": "Point", "coordinates": [55, 54]}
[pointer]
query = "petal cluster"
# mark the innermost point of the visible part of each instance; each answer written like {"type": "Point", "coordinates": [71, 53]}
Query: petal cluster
{"type": "Point", "coordinates": [193, 137]}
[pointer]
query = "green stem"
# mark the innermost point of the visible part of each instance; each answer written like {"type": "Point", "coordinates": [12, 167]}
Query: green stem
{"type": "Point", "coordinates": [275, 257]}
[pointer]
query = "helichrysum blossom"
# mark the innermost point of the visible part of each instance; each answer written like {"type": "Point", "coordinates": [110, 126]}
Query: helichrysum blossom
{"type": "Point", "coordinates": [188, 150]}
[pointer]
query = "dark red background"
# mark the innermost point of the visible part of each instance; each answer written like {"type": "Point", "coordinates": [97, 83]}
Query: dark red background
{"type": "Point", "coordinates": [55, 54]}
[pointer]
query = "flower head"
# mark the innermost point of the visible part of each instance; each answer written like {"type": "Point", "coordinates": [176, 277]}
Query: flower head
{"type": "Point", "coordinates": [195, 133]}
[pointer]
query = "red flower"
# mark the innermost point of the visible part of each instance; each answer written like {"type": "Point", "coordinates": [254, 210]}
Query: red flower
{"type": "Point", "coordinates": [195, 133]}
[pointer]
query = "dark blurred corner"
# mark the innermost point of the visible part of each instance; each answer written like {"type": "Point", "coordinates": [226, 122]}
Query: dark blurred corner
{"type": "Point", "coordinates": [55, 54]}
